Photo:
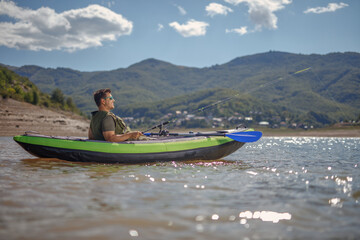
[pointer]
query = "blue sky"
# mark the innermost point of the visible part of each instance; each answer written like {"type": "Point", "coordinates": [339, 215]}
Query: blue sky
{"type": "Point", "coordinates": [105, 35]}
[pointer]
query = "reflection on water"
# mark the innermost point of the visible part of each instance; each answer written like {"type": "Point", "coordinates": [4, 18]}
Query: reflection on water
{"type": "Point", "coordinates": [266, 216]}
{"type": "Point", "coordinates": [243, 218]}
{"type": "Point", "coordinates": [290, 188]}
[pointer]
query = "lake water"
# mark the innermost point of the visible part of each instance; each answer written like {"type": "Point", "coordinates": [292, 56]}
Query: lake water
{"type": "Point", "coordinates": [276, 188]}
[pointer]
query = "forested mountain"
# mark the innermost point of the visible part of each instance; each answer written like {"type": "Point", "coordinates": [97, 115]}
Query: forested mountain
{"type": "Point", "coordinates": [328, 86]}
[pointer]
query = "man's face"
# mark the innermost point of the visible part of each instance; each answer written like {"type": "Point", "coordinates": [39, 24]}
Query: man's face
{"type": "Point", "coordinates": [109, 101]}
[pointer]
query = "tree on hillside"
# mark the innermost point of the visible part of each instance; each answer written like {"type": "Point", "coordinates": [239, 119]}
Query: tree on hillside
{"type": "Point", "coordinates": [57, 96]}
{"type": "Point", "coordinates": [28, 97]}
{"type": "Point", "coordinates": [35, 99]}
{"type": "Point", "coordinates": [70, 103]}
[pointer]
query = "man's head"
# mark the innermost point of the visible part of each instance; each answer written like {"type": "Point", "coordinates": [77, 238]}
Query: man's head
{"type": "Point", "coordinates": [103, 98]}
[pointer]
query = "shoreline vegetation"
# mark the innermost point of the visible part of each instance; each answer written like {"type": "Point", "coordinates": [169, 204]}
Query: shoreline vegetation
{"type": "Point", "coordinates": [18, 117]}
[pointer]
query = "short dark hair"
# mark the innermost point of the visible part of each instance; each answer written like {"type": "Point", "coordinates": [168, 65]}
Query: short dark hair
{"type": "Point", "coordinates": [99, 94]}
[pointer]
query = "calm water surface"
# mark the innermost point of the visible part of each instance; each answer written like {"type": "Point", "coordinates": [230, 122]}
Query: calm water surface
{"type": "Point", "coordinates": [276, 188]}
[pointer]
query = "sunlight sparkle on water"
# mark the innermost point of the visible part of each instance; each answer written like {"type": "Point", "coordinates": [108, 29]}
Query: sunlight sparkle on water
{"type": "Point", "coordinates": [266, 216]}
{"type": "Point", "coordinates": [335, 202]}
{"type": "Point", "coordinates": [210, 163]}
{"type": "Point", "coordinates": [133, 233]}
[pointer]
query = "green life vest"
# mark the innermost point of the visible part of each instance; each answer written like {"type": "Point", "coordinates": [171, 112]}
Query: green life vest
{"type": "Point", "coordinates": [96, 124]}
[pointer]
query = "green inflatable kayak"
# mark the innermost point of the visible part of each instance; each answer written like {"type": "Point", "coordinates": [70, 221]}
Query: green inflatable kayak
{"type": "Point", "coordinates": [176, 147]}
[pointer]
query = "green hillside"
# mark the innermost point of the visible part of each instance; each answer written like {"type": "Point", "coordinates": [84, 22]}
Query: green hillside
{"type": "Point", "coordinates": [330, 87]}
{"type": "Point", "coordinates": [20, 88]}
{"type": "Point", "coordinates": [227, 108]}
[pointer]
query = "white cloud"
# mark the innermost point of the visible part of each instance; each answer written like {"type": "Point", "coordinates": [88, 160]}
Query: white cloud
{"type": "Point", "coordinates": [331, 7]}
{"type": "Point", "coordinates": [240, 31]}
{"type": "Point", "coordinates": [160, 27]}
{"type": "Point", "coordinates": [44, 29]}
{"type": "Point", "coordinates": [261, 12]}
{"type": "Point", "coordinates": [191, 29]}
{"type": "Point", "coordinates": [217, 9]}
{"type": "Point", "coordinates": [181, 9]}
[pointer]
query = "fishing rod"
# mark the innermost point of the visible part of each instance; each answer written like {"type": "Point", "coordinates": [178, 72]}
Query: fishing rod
{"type": "Point", "coordinates": [202, 109]}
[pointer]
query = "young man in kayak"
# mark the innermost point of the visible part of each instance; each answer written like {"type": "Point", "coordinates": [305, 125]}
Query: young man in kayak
{"type": "Point", "coordinates": [105, 125]}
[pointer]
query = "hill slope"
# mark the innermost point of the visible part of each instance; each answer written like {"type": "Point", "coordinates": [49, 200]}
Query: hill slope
{"type": "Point", "coordinates": [20, 88]}
{"type": "Point", "coordinates": [18, 117]}
{"type": "Point", "coordinates": [23, 107]}
{"type": "Point", "coordinates": [228, 108]}
{"type": "Point", "coordinates": [330, 86]}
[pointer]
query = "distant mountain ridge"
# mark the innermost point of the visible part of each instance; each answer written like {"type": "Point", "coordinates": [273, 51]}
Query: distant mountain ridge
{"type": "Point", "coordinates": [331, 86]}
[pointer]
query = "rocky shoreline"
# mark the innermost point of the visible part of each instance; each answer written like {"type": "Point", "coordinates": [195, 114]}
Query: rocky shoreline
{"type": "Point", "coordinates": [18, 117]}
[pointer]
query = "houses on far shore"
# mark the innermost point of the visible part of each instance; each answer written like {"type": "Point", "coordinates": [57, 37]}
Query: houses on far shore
{"type": "Point", "coordinates": [246, 120]}
{"type": "Point", "coordinates": [183, 119]}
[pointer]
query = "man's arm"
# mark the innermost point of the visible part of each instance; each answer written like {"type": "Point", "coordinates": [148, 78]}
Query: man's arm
{"type": "Point", "coordinates": [110, 136]}
{"type": "Point", "coordinates": [90, 135]}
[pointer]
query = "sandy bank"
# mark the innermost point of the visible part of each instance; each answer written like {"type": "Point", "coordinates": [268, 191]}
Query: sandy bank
{"type": "Point", "coordinates": [18, 117]}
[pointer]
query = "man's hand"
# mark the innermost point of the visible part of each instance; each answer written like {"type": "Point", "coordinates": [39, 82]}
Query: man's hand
{"type": "Point", "coordinates": [135, 135]}
{"type": "Point", "coordinates": [110, 136]}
